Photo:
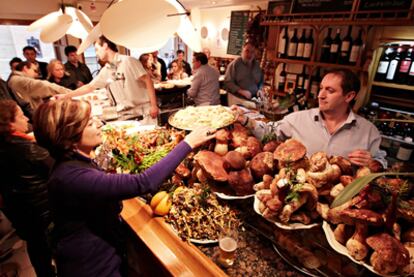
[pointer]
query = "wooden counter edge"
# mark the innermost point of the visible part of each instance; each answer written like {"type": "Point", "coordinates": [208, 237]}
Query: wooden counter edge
{"type": "Point", "coordinates": [178, 257]}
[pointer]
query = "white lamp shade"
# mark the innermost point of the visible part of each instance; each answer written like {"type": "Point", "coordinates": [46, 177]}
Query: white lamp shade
{"type": "Point", "coordinates": [56, 28]}
{"type": "Point", "coordinates": [44, 21]}
{"type": "Point", "coordinates": [140, 24]}
{"type": "Point", "coordinates": [90, 39]}
{"type": "Point", "coordinates": [188, 34]}
{"type": "Point", "coordinates": [81, 24]}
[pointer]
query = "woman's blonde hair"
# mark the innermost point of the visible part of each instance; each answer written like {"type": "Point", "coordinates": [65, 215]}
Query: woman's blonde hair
{"type": "Point", "coordinates": [51, 67]}
{"type": "Point", "coordinates": [58, 125]}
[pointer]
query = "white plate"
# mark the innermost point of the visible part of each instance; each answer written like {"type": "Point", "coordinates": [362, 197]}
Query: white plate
{"type": "Point", "coordinates": [341, 249]}
{"type": "Point", "coordinates": [198, 241]}
{"type": "Point", "coordinates": [232, 197]}
{"type": "Point", "coordinates": [290, 226]}
{"type": "Point", "coordinates": [130, 126]}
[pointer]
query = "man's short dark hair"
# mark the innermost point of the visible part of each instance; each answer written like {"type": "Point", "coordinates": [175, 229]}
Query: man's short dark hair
{"type": "Point", "coordinates": [111, 45]}
{"type": "Point", "coordinates": [20, 66]}
{"type": "Point", "coordinates": [179, 51]}
{"type": "Point", "coordinates": [15, 60]}
{"type": "Point", "coordinates": [70, 49]}
{"type": "Point", "coordinates": [201, 57]}
{"type": "Point", "coordinates": [28, 47]}
{"type": "Point", "coordinates": [249, 42]}
{"type": "Point", "coordinates": [349, 80]}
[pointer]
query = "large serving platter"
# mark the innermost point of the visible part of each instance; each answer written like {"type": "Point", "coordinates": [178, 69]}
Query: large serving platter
{"type": "Point", "coordinates": [193, 117]}
{"type": "Point", "coordinates": [130, 126]}
{"type": "Point", "coordinates": [290, 226]}
{"type": "Point", "coordinates": [341, 249]}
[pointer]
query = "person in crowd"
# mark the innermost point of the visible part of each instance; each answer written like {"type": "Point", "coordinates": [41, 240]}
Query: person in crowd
{"type": "Point", "coordinates": [25, 169]}
{"type": "Point", "coordinates": [23, 83]}
{"type": "Point", "coordinates": [58, 75]}
{"type": "Point", "coordinates": [14, 62]}
{"type": "Point", "coordinates": [205, 84]}
{"type": "Point", "coordinates": [29, 52]}
{"type": "Point", "coordinates": [243, 76]}
{"type": "Point", "coordinates": [84, 200]}
{"type": "Point", "coordinates": [160, 65]}
{"type": "Point", "coordinates": [176, 72]}
{"type": "Point", "coordinates": [332, 127]}
{"type": "Point", "coordinates": [150, 67]}
{"type": "Point", "coordinates": [181, 62]}
{"type": "Point", "coordinates": [126, 79]}
{"type": "Point", "coordinates": [75, 68]}
{"type": "Point", "coordinates": [7, 94]}
{"type": "Point", "coordinates": [211, 61]}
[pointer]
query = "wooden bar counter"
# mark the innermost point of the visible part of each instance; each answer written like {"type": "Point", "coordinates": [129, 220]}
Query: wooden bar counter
{"type": "Point", "coordinates": [178, 257]}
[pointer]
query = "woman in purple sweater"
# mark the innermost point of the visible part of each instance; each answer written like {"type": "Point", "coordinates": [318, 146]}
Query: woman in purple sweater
{"type": "Point", "coordinates": [85, 201]}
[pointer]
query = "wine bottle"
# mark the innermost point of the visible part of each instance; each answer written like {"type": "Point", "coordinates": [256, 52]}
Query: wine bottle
{"type": "Point", "coordinates": [301, 45]}
{"type": "Point", "coordinates": [300, 80]}
{"type": "Point", "coordinates": [326, 46]}
{"type": "Point", "coordinates": [383, 64]}
{"type": "Point", "coordinates": [356, 49]}
{"type": "Point", "coordinates": [282, 43]}
{"type": "Point", "coordinates": [404, 67]}
{"type": "Point", "coordinates": [392, 69]}
{"type": "Point", "coordinates": [293, 45]}
{"type": "Point", "coordinates": [346, 47]}
{"type": "Point", "coordinates": [334, 50]}
{"type": "Point", "coordinates": [307, 51]}
{"type": "Point", "coordinates": [282, 80]}
{"type": "Point", "coordinates": [410, 79]}
{"type": "Point", "coordinates": [316, 80]}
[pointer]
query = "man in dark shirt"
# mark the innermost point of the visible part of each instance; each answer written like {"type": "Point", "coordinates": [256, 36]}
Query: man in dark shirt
{"type": "Point", "coordinates": [29, 52]}
{"type": "Point", "coordinates": [75, 68]}
{"type": "Point", "coordinates": [180, 59]}
{"type": "Point", "coordinates": [162, 63]}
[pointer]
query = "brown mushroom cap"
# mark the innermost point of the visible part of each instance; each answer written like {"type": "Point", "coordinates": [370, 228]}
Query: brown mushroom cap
{"type": "Point", "coordinates": [344, 164]}
{"type": "Point", "coordinates": [290, 151]}
{"type": "Point", "coordinates": [262, 164]}
{"type": "Point", "coordinates": [390, 248]}
{"type": "Point", "coordinates": [241, 181]}
{"type": "Point", "coordinates": [212, 164]}
{"type": "Point", "coordinates": [222, 135]}
{"type": "Point", "coordinates": [353, 216]}
{"type": "Point", "coordinates": [234, 160]}
{"type": "Point", "coordinates": [271, 146]}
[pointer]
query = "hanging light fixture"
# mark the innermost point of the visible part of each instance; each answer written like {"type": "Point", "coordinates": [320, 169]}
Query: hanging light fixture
{"type": "Point", "coordinates": [67, 20]}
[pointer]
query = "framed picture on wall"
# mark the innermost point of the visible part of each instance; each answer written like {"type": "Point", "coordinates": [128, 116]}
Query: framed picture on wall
{"type": "Point", "coordinates": [279, 7]}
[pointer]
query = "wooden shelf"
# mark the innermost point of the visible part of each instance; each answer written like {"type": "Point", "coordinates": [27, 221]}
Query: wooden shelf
{"type": "Point", "coordinates": [312, 63]}
{"type": "Point", "coordinates": [393, 85]}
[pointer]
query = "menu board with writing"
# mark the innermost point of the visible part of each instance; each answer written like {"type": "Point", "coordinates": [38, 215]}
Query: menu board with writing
{"type": "Point", "coordinates": [238, 26]}
{"type": "Point", "coordinates": [375, 5]}
{"type": "Point", "coordinates": [317, 6]}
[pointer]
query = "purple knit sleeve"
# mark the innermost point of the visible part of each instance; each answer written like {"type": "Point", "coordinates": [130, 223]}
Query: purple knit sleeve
{"type": "Point", "coordinates": [98, 184]}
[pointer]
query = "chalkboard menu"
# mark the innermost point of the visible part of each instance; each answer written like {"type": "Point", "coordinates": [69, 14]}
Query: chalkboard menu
{"type": "Point", "coordinates": [384, 5]}
{"type": "Point", "coordinates": [317, 6]}
{"type": "Point", "coordinates": [238, 26]}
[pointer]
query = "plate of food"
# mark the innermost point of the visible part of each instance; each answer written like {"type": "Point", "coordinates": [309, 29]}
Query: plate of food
{"type": "Point", "coordinates": [225, 196]}
{"type": "Point", "coordinates": [130, 126]}
{"type": "Point", "coordinates": [211, 116]}
{"type": "Point", "coordinates": [342, 249]}
{"type": "Point", "coordinates": [197, 216]}
{"type": "Point", "coordinates": [261, 208]}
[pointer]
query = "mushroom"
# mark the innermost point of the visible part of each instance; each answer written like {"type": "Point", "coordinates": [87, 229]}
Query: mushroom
{"type": "Point", "coordinates": [265, 184]}
{"type": "Point", "coordinates": [222, 137]}
{"type": "Point", "coordinates": [235, 160]}
{"type": "Point", "coordinates": [336, 190]}
{"type": "Point", "coordinates": [409, 269]}
{"type": "Point", "coordinates": [354, 216]}
{"type": "Point", "coordinates": [301, 217]}
{"type": "Point", "coordinates": [340, 233]}
{"type": "Point", "coordinates": [330, 174]}
{"type": "Point", "coordinates": [362, 171]}
{"type": "Point", "coordinates": [344, 164]}
{"type": "Point", "coordinates": [346, 180]}
{"type": "Point", "coordinates": [290, 151]}
{"type": "Point", "coordinates": [291, 207]}
{"type": "Point", "coordinates": [389, 254]}
{"type": "Point", "coordinates": [318, 162]}
{"type": "Point", "coordinates": [254, 147]}
{"type": "Point", "coordinates": [408, 235]}
{"type": "Point", "coordinates": [241, 181]}
{"type": "Point", "coordinates": [239, 135]}
{"type": "Point", "coordinates": [271, 146]}
{"type": "Point", "coordinates": [183, 171]}
{"type": "Point", "coordinates": [212, 164]}
{"type": "Point", "coordinates": [356, 245]}
{"type": "Point", "coordinates": [262, 164]}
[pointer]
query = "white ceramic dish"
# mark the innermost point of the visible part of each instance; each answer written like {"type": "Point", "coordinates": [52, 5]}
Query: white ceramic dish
{"type": "Point", "coordinates": [232, 197]}
{"type": "Point", "coordinates": [341, 249]}
{"type": "Point", "coordinates": [198, 241]}
{"type": "Point", "coordinates": [290, 226]}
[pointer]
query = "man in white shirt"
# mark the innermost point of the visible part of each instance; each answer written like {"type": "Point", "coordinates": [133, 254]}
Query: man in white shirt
{"type": "Point", "coordinates": [126, 79]}
{"type": "Point", "coordinates": [333, 127]}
